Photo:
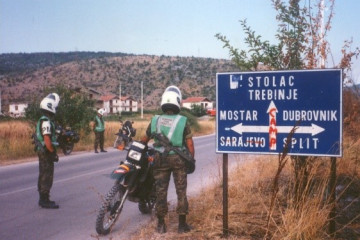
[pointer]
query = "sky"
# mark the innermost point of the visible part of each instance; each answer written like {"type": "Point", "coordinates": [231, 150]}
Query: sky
{"type": "Point", "coordinates": [154, 27]}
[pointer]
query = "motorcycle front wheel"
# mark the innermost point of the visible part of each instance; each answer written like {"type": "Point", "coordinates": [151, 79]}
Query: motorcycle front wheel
{"type": "Point", "coordinates": [119, 143]}
{"type": "Point", "coordinates": [110, 209]}
{"type": "Point", "coordinates": [67, 148]}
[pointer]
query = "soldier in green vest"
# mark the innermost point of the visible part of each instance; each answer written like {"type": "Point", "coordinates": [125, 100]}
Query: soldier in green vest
{"type": "Point", "coordinates": [176, 128]}
{"type": "Point", "coordinates": [46, 150]}
{"type": "Point", "coordinates": [99, 129]}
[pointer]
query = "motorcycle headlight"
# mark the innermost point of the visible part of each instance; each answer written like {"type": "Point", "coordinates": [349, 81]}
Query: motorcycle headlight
{"type": "Point", "coordinates": [134, 155]}
{"type": "Point", "coordinates": [135, 152]}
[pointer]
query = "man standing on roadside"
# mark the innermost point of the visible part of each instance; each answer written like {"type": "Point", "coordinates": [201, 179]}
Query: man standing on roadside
{"type": "Point", "coordinates": [99, 129]}
{"type": "Point", "coordinates": [176, 129]}
{"type": "Point", "coordinates": [45, 134]}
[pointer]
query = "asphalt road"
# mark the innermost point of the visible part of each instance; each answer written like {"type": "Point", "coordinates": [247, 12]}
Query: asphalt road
{"type": "Point", "coordinates": [81, 181]}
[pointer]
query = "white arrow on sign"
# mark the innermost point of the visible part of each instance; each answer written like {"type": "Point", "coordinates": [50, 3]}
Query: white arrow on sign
{"type": "Point", "coordinates": [313, 129]}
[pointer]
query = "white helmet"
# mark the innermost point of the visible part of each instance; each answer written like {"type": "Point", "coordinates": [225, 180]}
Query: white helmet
{"type": "Point", "coordinates": [55, 97]}
{"type": "Point", "coordinates": [101, 111]}
{"type": "Point", "coordinates": [49, 105]}
{"type": "Point", "coordinates": [171, 99]}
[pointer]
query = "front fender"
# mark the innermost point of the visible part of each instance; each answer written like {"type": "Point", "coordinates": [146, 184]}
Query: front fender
{"type": "Point", "coordinates": [121, 171]}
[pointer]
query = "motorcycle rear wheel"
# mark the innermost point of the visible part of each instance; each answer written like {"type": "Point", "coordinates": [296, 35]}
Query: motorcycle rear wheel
{"type": "Point", "coordinates": [146, 206]}
{"type": "Point", "coordinates": [110, 209]}
{"type": "Point", "coordinates": [67, 148]}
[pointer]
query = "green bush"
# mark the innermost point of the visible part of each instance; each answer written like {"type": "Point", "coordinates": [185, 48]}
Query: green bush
{"type": "Point", "coordinates": [75, 110]}
{"type": "Point", "coordinates": [197, 110]}
{"type": "Point", "coordinates": [191, 118]}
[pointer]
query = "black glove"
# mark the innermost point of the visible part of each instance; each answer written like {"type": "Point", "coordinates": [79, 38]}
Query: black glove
{"type": "Point", "coordinates": [53, 157]}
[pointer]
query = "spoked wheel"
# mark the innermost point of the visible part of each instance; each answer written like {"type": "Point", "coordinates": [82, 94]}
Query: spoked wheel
{"type": "Point", "coordinates": [119, 143]}
{"type": "Point", "coordinates": [110, 209]}
{"type": "Point", "coordinates": [145, 206]}
{"type": "Point", "coordinates": [67, 149]}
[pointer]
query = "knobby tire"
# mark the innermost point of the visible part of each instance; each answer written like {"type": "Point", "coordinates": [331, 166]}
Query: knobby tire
{"type": "Point", "coordinates": [110, 209]}
{"type": "Point", "coordinates": [67, 149]}
{"type": "Point", "coordinates": [147, 205]}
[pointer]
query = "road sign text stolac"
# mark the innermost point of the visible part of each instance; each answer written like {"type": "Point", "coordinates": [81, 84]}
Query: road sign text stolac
{"type": "Point", "coordinates": [256, 111]}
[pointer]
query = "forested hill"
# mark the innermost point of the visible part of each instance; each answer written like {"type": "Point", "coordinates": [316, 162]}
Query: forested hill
{"type": "Point", "coordinates": [24, 75]}
{"type": "Point", "coordinates": [32, 61]}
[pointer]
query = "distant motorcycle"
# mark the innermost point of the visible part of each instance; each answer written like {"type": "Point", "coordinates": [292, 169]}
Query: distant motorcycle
{"type": "Point", "coordinates": [66, 139]}
{"type": "Point", "coordinates": [125, 135]}
{"type": "Point", "coordinates": [134, 182]}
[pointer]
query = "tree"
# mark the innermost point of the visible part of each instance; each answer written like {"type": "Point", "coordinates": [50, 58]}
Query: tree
{"type": "Point", "coordinates": [301, 39]}
{"type": "Point", "coordinates": [75, 110]}
{"type": "Point", "coordinates": [197, 110]}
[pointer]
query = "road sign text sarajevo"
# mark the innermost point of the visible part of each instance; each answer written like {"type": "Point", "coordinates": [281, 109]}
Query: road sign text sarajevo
{"type": "Point", "coordinates": [258, 110]}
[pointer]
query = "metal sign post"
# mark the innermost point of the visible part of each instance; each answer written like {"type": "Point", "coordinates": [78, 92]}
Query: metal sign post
{"type": "Point", "coordinates": [256, 111]}
{"type": "Point", "coordinates": [225, 196]}
{"type": "Point", "coordinates": [332, 187]}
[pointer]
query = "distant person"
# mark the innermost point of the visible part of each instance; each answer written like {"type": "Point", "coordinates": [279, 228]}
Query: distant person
{"type": "Point", "coordinates": [176, 129]}
{"type": "Point", "coordinates": [128, 128]}
{"type": "Point", "coordinates": [99, 129]}
{"type": "Point", "coordinates": [45, 134]}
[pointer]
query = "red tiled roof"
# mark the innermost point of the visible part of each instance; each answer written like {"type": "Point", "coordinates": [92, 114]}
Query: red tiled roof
{"type": "Point", "coordinates": [107, 97]}
{"type": "Point", "coordinates": [195, 99]}
{"type": "Point", "coordinates": [126, 97]}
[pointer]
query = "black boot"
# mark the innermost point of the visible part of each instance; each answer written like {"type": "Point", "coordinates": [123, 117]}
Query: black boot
{"type": "Point", "coordinates": [45, 202]}
{"type": "Point", "coordinates": [183, 226]}
{"type": "Point", "coordinates": [161, 226]}
{"type": "Point", "coordinates": [52, 202]}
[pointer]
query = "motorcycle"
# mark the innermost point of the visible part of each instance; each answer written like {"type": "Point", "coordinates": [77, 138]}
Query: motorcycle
{"type": "Point", "coordinates": [66, 139]}
{"type": "Point", "coordinates": [124, 136]}
{"type": "Point", "coordinates": [134, 182]}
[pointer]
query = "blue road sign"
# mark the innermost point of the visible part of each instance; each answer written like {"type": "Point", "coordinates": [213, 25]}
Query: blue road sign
{"type": "Point", "coordinates": [256, 111]}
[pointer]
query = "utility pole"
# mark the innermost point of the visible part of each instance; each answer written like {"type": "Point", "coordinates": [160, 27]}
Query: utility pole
{"type": "Point", "coordinates": [0, 103]}
{"type": "Point", "coordinates": [120, 98]}
{"type": "Point", "coordinates": [142, 100]}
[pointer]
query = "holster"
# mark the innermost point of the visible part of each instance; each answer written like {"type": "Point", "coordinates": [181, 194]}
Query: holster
{"type": "Point", "coordinates": [185, 155]}
{"type": "Point", "coordinates": [53, 156]}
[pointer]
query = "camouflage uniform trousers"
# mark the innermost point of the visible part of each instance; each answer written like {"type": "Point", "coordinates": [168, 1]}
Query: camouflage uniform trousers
{"type": "Point", "coordinates": [162, 171]}
{"type": "Point", "coordinates": [46, 173]}
{"type": "Point", "coordinates": [99, 140]}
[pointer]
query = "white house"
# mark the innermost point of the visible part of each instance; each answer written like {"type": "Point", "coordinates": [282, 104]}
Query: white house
{"type": "Point", "coordinates": [129, 104]}
{"type": "Point", "coordinates": [204, 102]}
{"type": "Point", "coordinates": [17, 109]}
{"type": "Point", "coordinates": [112, 104]}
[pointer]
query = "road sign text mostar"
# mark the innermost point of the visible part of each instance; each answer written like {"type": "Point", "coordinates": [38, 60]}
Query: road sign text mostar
{"type": "Point", "coordinates": [256, 111]}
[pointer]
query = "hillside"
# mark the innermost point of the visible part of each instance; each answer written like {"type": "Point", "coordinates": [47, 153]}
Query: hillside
{"type": "Point", "coordinates": [25, 75]}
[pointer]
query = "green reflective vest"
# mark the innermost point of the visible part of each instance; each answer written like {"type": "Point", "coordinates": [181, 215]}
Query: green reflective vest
{"type": "Point", "coordinates": [39, 135]}
{"type": "Point", "coordinates": [100, 124]}
{"type": "Point", "coordinates": [171, 126]}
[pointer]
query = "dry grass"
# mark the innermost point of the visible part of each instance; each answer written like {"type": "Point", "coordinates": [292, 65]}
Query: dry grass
{"type": "Point", "coordinates": [15, 141]}
{"type": "Point", "coordinates": [250, 193]}
{"type": "Point", "coordinates": [16, 144]}
{"type": "Point", "coordinates": [206, 127]}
